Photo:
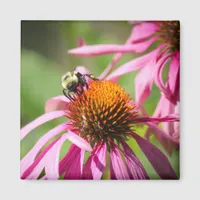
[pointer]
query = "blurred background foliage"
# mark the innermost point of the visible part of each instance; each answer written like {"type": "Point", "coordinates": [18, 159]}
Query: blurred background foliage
{"type": "Point", "coordinates": [44, 60]}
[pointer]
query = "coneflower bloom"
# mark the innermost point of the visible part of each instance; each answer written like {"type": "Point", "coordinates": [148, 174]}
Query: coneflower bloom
{"type": "Point", "coordinates": [167, 35]}
{"type": "Point", "coordinates": [101, 120]}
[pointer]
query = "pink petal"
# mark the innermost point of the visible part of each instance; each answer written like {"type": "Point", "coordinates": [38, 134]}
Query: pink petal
{"type": "Point", "coordinates": [56, 103]}
{"type": "Point", "coordinates": [78, 141]}
{"type": "Point", "coordinates": [118, 56]}
{"type": "Point", "coordinates": [75, 166]}
{"type": "Point", "coordinates": [43, 178]}
{"type": "Point", "coordinates": [176, 134]}
{"type": "Point", "coordinates": [135, 167]}
{"type": "Point", "coordinates": [40, 120]}
{"type": "Point", "coordinates": [144, 81]}
{"type": "Point", "coordinates": [52, 160]}
{"type": "Point", "coordinates": [174, 77]}
{"type": "Point", "coordinates": [167, 141]}
{"type": "Point", "coordinates": [166, 107]}
{"type": "Point", "coordinates": [35, 173]}
{"type": "Point", "coordinates": [49, 162]}
{"type": "Point", "coordinates": [95, 164]}
{"type": "Point", "coordinates": [143, 30]}
{"type": "Point", "coordinates": [117, 168]}
{"type": "Point", "coordinates": [68, 158]}
{"type": "Point", "coordinates": [167, 118]}
{"type": "Point", "coordinates": [82, 70]}
{"type": "Point", "coordinates": [101, 49]}
{"type": "Point", "coordinates": [133, 65]}
{"type": "Point", "coordinates": [158, 75]}
{"type": "Point", "coordinates": [34, 170]}
{"type": "Point", "coordinates": [29, 158]}
{"type": "Point", "coordinates": [143, 46]}
{"type": "Point", "coordinates": [166, 50]}
{"type": "Point", "coordinates": [158, 160]}
{"type": "Point", "coordinates": [162, 114]}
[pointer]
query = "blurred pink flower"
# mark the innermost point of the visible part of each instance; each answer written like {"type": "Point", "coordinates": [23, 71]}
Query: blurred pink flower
{"type": "Point", "coordinates": [144, 34]}
{"type": "Point", "coordinates": [166, 34]}
{"type": "Point", "coordinates": [99, 122]}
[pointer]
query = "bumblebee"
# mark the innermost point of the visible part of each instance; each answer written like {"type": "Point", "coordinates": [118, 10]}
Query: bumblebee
{"type": "Point", "coordinates": [74, 82]}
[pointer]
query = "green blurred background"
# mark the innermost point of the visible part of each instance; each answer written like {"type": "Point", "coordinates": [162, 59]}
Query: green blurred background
{"type": "Point", "coordinates": [44, 60]}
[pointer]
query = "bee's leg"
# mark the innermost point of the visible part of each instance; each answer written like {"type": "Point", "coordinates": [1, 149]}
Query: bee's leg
{"type": "Point", "coordinates": [78, 92]}
{"type": "Point", "coordinates": [64, 92]}
{"type": "Point", "coordinates": [92, 77]}
{"type": "Point", "coordinates": [67, 95]}
{"type": "Point", "coordinates": [71, 98]}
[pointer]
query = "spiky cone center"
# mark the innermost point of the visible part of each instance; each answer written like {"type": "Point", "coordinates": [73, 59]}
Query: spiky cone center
{"type": "Point", "coordinates": [103, 113]}
{"type": "Point", "coordinates": [169, 33]}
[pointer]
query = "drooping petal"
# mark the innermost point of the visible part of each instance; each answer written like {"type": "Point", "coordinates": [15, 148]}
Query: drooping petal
{"type": "Point", "coordinates": [101, 49]}
{"type": "Point", "coordinates": [165, 114]}
{"type": "Point", "coordinates": [174, 77]}
{"type": "Point", "coordinates": [78, 141]}
{"type": "Point", "coordinates": [158, 77]}
{"type": "Point", "coordinates": [157, 159]}
{"type": "Point", "coordinates": [72, 152]}
{"type": "Point", "coordinates": [160, 65]}
{"type": "Point", "coordinates": [144, 81]}
{"type": "Point", "coordinates": [29, 158]}
{"type": "Point", "coordinates": [39, 121]}
{"type": "Point", "coordinates": [135, 168]}
{"type": "Point", "coordinates": [143, 30]}
{"type": "Point", "coordinates": [96, 163]}
{"type": "Point", "coordinates": [176, 134]}
{"type": "Point", "coordinates": [56, 103]}
{"type": "Point", "coordinates": [167, 141]}
{"type": "Point", "coordinates": [49, 162]}
{"type": "Point", "coordinates": [35, 173]}
{"type": "Point", "coordinates": [166, 108]}
{"type": "Point", "coordinates": [74, 167]}
{"type": "Point", "coordinates": [133, 65]}
{"type": "Point", "coordinates": [117, 168]}
{"type": "Point", "coordinates": [52, 160]}
{"type": "Point", "coordinates": [36, 167]}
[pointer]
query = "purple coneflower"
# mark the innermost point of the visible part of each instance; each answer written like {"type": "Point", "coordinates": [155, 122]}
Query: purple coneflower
{"type": "Point", "coordinates": [101, 120]}
{"type": "Point", "coordinates": [167, 35]}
